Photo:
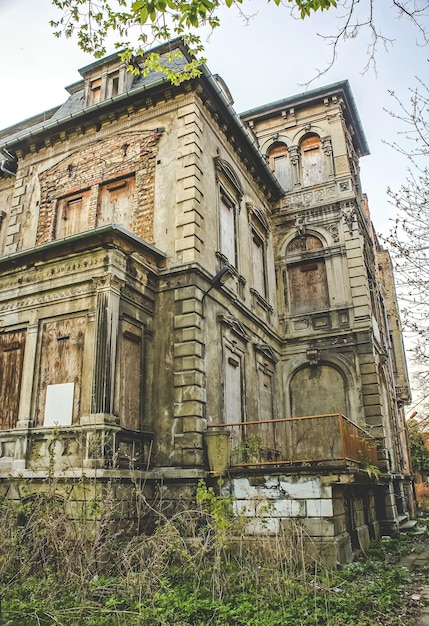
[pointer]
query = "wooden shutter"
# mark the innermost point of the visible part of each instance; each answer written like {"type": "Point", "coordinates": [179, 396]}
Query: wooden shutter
{"type": "Point", "coordinates": [258, 261]}
{"type": "Point", "coordinates": [233, 407]}
{"type": "Point", "coordinates": [130, 371]}
{"type": "Point", "coordinates": [12, 346]}
{"type": "Point", "coordinates": [308, 287]}
{"type": "Point", "coordinates": [61, 360]}
{"type": "Point", "coordinates": [265, 396]}
{"type": "Point", "coordinates": [73, 214]}
{"type": "Point", "coordinates": [279, 161]}
{"type": "Point", "coordinates": [313, 164]}
{"type": "Point", "coordinates": [227, 229]}
{"type": "Point", "coordinates": [116, 203]}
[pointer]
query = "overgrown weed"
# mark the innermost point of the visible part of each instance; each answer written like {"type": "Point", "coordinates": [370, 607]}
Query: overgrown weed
{"type": "Point", "coordinates": [197, 568]}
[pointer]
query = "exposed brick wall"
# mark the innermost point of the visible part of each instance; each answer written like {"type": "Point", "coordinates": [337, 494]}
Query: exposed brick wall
{"type": "Point", "coordinates": [102, 161]}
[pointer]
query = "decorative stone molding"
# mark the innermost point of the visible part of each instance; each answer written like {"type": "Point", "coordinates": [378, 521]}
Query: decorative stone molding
{"type": "Point", "coordinates": [257, 217]}
{"type": "Point", "coordinates": [349, 216]}
{"type": "Point", "coordinates": [313, 356]}
{"type": "Point", "coordinates": [235, 325]}
{"type": "Point", "coordinates": [225, 169]}
{"type": "Point", "coordinates": [333, 229]}
{"type": "Point", "coordinates": [300, 225]}
{"type": "Point", "coordinates": [267, 351]}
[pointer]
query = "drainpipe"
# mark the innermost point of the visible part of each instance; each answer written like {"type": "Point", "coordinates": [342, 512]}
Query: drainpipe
{"type": "Point", "coordinates": [4, 167]}
{"type": "Point", "coordinates": [8, 165]}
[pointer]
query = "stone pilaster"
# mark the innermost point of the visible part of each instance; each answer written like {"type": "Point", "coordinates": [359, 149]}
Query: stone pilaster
{"type": "Point", "coordinates": [294, 161]}
{"type": "Point", "coordinates": [106, 334]}
{"type": "Point", "coordinates": [189, 241]}
{"type": "Point", "coordinates": [28, 378]}
{"type": "Point", "coordinates": [189, 377]}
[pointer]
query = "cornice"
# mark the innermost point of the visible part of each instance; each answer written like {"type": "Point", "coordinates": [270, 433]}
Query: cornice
{"type": "Point", "coordinates": [77, 137]}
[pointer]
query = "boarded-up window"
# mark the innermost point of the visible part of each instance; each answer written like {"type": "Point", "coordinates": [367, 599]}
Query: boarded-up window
{"type": "Point", "coordinates": [12, 346]}
{"type": "Point", "coordinates": [312, 161]}
{"type": "Point", "coordinates": [233, 406]}
{"type": "Point", "coordinates": [265, 398]}
{"type": "Point", "coordinates": [279, 163]}
{"type": "Point", "coordinates": [130, 375]}
{"type": "Point", "coordinates": [116, 203]}
{"type": "Point", "coordinates": [227, 229]}
{"type": "Point", "coordinates": [61, 361]}
{"type": "Point", "coordinates": [95, 91]}
{"type": "Point", "coordinates": [308, 285]}
{"type": "Point", "coordinates": [317, 391]}
{"type": "Point", "coordinates": [304, 244]}
{"type": "Point", "coordinates": [258, 262]}
{"type": "Point", "coordinates": [73, 214]}
{"type": "Point", "coordinates": [112, 87]}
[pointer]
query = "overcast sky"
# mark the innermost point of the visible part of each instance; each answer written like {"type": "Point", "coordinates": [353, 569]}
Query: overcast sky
{"type": "Point", "coordinates": [269, 58]}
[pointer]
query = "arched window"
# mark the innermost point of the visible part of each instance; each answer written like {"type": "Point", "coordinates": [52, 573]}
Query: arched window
{"type": "Point", "coordinates": [312, 161]}
{"type": "Point", "coordinates": [304, 244]}
{"type": "Point", "coordinates": [279, 163]}
{"type": "Point", "coordinates": [319, 390]}
{"type": "Point", "coordinates": [307, 281]}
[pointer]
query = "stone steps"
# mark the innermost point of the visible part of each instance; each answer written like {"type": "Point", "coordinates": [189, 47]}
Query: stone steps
{"type": "Point", "coordinates": [411, 526]}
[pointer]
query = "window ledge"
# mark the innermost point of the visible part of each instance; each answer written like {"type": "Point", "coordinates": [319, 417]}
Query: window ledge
{"type": "Point", "coordinates": [257, 298]}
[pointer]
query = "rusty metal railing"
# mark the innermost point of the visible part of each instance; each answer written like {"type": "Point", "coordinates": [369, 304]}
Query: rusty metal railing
{"type": "Point", "coordinates": [314, 439]}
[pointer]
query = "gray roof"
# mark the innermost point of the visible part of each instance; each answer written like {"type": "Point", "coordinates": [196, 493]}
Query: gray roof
{"type": "Point", "coordinates": [303, 99]}
{"type": "Point", "coordinates": [74, 105]}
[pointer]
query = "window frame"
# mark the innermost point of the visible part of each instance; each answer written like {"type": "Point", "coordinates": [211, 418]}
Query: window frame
{"type": "Point", "coordinates": [67, 203]}
{"type": "Point", "coordinates": [315, 147]}
{"type": "Point", "coordinates": [227, 245]}
{"type": "Point", "coordinates": [229, 191]}
{"type": "Point", "coordinates": [259, 229]}
{"type": "Point", "coordinates": [305, 260]}
{"type": "Point", "coordinates": [259, 265]}
{"type": "Point", "coordinates": [276, 151]}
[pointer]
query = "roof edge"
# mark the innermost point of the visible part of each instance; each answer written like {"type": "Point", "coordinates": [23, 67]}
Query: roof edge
{"type": "Point", "coordinates": [311, 95]}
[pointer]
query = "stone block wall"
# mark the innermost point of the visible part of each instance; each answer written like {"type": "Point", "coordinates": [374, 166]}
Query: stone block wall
{"type": "Point", "coordinates": [291, 503]}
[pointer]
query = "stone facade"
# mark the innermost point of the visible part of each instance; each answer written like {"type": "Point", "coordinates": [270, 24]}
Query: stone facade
{"type": "Point", "coordinates": [120, 347]}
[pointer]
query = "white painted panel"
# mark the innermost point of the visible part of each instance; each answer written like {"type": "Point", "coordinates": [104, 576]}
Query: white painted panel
{"type": "Point", "coordinates": [233, 393]}
{"type": "Point", "coordinates": [227, 231]}
{"type": "Point", "coordinates": [59, 405]}
{"type": "Point", "coordinates": [258, 254]}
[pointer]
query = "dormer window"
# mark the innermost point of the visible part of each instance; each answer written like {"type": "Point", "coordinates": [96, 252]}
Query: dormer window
{"type": "Point", "coordinates": [103, 83]}
{"type": "Point", "coordinates": [95, 91]}
{"type": "Point", "coordinates": [112, 88]}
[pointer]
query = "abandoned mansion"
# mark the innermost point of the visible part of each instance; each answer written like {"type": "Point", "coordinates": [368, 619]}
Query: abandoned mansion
{"type": "Point", "coordinates": [188, 293]}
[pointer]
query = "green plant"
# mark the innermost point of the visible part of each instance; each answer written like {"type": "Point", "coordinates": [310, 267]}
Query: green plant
{"type": "Point", "coordinates": [250, 449]}
{"type": "Point", "coordinates": [197, 567]}
{"type": "Point", "coordinates": [372, 470]}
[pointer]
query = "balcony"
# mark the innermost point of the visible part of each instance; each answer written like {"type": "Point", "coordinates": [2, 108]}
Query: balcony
{"type": "Point", "coordinates": [89, 446]}
{"type": "Point", "coordinates": [315, 440]}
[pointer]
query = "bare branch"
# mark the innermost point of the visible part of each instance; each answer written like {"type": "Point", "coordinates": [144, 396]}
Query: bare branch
{"type": "Point", "coordinates": [358, 18]}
